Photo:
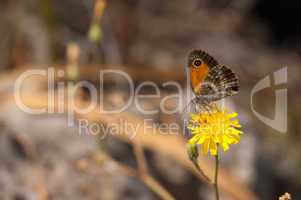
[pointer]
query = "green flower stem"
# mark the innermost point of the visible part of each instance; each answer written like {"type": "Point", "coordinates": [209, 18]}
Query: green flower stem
{"type": "Point", "coordinates": [216, 177]}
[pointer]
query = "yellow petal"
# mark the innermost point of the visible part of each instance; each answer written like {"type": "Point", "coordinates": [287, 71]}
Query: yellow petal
{"type": "Point", "coordinates": [194, 139]}
{"type": "Point", "coordinates": [232, 115]}
{"type": "Point", "coordinates": [202, 139]}
{"type": "Point", "coordinates": [213, 148]}
{"type": "Point", "coordinates": [205, 146]}
{"type": "Point", "coordinates": [225, 146]}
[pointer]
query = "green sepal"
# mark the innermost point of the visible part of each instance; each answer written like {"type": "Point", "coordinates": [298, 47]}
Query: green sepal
{"type": "Point", "coordinates": [193, 154]}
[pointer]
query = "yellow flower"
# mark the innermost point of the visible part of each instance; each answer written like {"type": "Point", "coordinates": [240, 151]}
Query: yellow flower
{"type": "Point", "coordinates": [213, 129]}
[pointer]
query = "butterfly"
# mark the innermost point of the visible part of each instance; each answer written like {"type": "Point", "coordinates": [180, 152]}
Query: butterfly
{"type": "Point", "coordinates": [209, 80]}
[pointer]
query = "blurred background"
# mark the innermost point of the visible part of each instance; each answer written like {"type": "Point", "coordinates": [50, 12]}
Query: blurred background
{"type": "Point", "coordinates": [42, 158]}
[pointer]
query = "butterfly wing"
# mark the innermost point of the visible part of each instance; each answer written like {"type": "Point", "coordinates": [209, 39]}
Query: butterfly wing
{"type": "Point", "coordinates": [219, 83]}
{"type": "Point", "coordinates": [200, 72]}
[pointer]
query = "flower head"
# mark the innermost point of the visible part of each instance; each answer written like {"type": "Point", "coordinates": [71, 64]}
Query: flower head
{"type": "Point", "coordinates": [213, 129]}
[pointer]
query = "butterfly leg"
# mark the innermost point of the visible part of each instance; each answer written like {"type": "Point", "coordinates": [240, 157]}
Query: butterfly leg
{"type": "Point", "coordinates": [199, 105]}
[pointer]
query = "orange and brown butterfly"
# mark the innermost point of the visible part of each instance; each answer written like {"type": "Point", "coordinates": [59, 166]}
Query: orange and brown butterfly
{"type": "Point", "coordinates": [210, 81]}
